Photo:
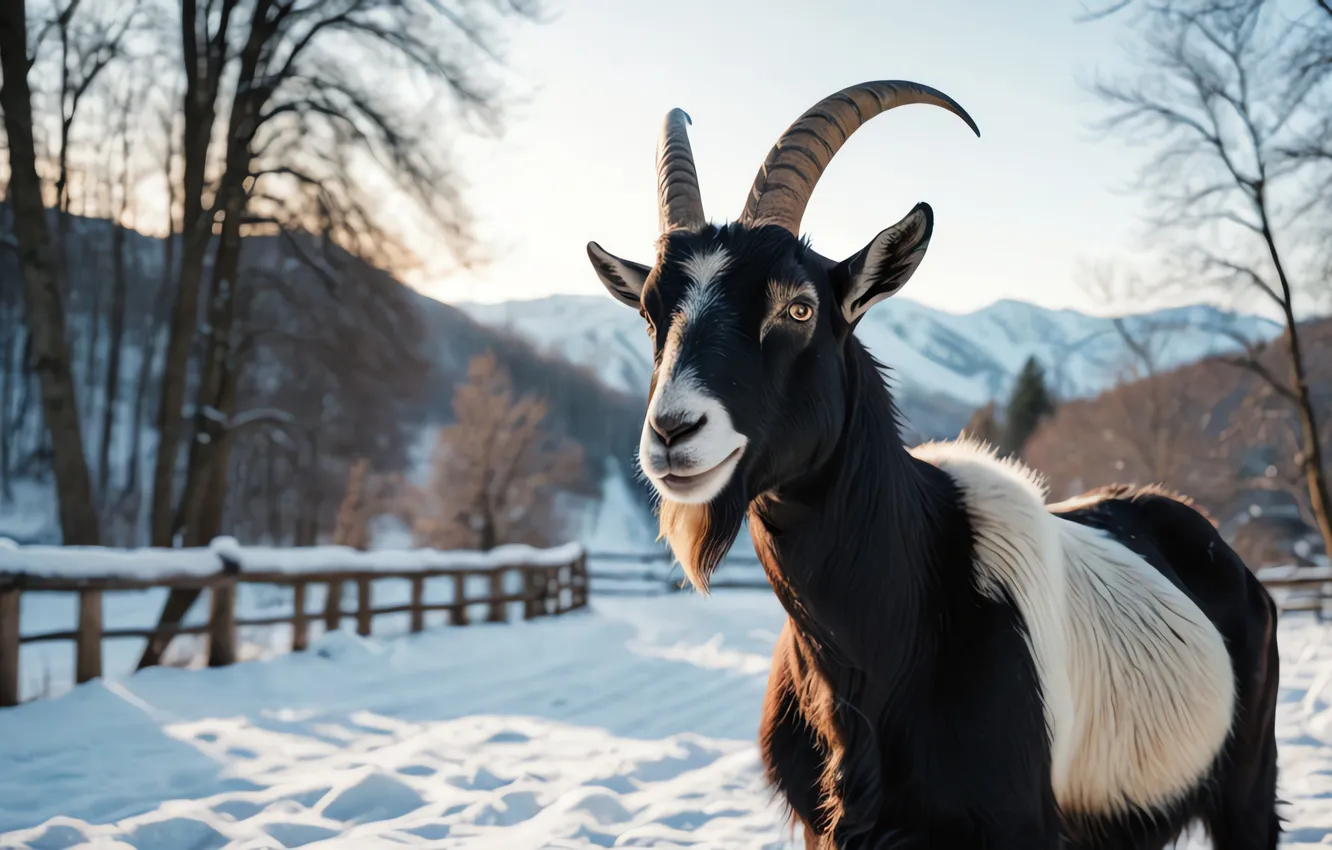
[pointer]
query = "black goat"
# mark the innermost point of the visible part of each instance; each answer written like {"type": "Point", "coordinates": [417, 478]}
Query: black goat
{"type": "Point", "coordinates": [963, 666]}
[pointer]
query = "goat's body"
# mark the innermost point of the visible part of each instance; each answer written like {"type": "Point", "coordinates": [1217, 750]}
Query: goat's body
{"type": "Point", "coordinates": [981, 670]}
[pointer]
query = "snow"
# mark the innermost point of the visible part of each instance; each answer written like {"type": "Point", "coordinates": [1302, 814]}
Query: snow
{"type": "Point", "coordinates": [631, 724]}
{"type": "Point", "coordinates": [621, 523]}
{"type": "Point", "coordinates": [970, 357]}
{"type": "Point", "coordinates": [86, 561]}
{"type": "Point", "coordinates": [319, 558]}
{"type": "Point", "coordinates": [90, 561]}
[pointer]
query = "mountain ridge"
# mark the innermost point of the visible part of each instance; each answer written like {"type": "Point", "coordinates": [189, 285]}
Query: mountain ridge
{"type": "Point", "coordinates": [966, 358]}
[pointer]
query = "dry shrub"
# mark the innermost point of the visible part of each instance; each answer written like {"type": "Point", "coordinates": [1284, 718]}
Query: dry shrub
{"type": "Point", "coordinates": [497, 476]}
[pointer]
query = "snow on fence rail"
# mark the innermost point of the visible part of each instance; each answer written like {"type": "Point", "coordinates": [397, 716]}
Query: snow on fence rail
{"type": "Point", "coordinates": [551, 581]}
{"type": "Point", "coordinates": [1299, 588]}
{"type": "Point", "coordinates": [655, 573]}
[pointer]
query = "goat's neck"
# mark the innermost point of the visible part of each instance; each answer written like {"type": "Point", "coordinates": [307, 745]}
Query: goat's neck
{"type": "Point", "coordinates": [850, 549]}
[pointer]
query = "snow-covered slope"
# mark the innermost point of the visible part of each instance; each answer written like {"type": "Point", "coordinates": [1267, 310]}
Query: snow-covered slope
{"type": "Point", "coordinates": [631, 725]}
{"type": "Point", "coordinates": [971, 357]}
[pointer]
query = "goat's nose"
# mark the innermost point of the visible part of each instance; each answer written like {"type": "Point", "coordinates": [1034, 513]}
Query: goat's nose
{"type": "Point", "coordinates": [674, 427]}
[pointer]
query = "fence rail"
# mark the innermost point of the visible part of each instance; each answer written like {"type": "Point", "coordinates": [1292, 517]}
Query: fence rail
{"type": "Point", "coordinates": [1299, 589]}
{"type": "Point", "coordinates": [1294, 588]}
{"type": "Point", "coordinates": [546, 590]}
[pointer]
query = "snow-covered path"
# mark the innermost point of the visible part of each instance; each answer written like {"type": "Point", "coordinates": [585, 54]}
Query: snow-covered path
{"type": "Point", "coordinates": [629, 725]}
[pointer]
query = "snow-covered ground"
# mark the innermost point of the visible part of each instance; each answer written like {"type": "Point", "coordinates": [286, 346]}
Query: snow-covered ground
{"type": "Point", "coordinates": [631, 724]}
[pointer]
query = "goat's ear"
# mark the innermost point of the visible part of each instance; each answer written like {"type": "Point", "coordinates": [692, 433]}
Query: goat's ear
{"type": "Point", "coordinates": [883, 266]}
{"type": "Point", "coordinates": [624, 279]}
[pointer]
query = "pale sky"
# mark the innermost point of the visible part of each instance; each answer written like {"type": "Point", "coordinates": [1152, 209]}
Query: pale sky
{"type": "Point", "coordinates": [1019, 212]}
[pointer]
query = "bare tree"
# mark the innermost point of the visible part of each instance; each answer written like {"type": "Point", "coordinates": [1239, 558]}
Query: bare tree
{"type": "Point", "coordinates": [496, 472]}
{"type": "Point", "coordinates": [1164, 429]}
{"type": "Point", "coordinates": [984, 425]}
{"type": "Point", "coordinates": [42, 291]}
{"type": "Point", "coordinates": [119, 288]}
{"type": "Point", "coordinates": [88, 45]}
{"type": "Point", "coordinates": [204, 41]}
{"type": "Point", "coordinates": [1232, 112]}
{"type": "Point", "coordinates": [301, 132]}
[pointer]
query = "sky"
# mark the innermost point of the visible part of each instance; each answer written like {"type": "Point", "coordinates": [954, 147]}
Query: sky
{"type": "Point", "coordinates": [1020, 213]}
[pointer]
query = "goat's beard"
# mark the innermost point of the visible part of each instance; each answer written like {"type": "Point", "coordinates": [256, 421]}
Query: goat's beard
{"type": "Point", "coordinates": [701, 535]}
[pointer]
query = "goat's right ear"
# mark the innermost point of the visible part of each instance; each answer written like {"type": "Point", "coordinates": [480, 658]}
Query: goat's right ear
{"type": "Point", "coordinates": [623, 279]}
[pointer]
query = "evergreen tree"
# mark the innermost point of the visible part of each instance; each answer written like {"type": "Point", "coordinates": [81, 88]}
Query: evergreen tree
{"type": "Point", "coordinates": [1030, 403]}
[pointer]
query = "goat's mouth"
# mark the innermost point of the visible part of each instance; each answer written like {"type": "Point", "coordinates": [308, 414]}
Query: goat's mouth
{"type": "Point", "coordinates": [702, 485]}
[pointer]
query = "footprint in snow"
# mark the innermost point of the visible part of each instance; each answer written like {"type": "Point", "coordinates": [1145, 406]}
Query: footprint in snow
{"type": "Point", "coordinates": [514, 807]}
{"type": "Point", "coordinates": [376, 797]}
{"type": "Point", "coordinates": [480, 780]}
{"type": "Point", "coordinates": [298, 834]}
{"type": "Point", "coordinates": [175, 834]}
{"type": "Point", "coordinates": [694, 757]}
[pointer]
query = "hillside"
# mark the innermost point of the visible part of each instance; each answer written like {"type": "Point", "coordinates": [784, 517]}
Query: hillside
{"type": "Point", "coordinates": [1209, 430]}
{"type": "Point", "coordinates": [357, 364]}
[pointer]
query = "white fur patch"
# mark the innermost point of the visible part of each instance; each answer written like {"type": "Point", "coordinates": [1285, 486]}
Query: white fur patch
{"type": "Point", "coordinates": [703, 270]}
{"type": "Point", "coordinates": [679, 394]}
{"type": "Point", "coordinates": [1139, 691]}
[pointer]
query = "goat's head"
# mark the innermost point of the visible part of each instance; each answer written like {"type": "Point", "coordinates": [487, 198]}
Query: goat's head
{"type": "Point", "coordinates": [748, 323]}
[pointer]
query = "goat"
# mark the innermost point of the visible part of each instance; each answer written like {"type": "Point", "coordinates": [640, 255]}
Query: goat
{"type": "Point", "coordinates": [962, 665]}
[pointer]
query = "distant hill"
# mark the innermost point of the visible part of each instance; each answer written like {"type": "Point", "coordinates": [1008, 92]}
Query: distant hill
{"type": "Point", "coordinates": [1209, 430]}
{"type": "Point", "coordinates": [287, 375]}
{"type": "Point", "coordinates": [942, 365]}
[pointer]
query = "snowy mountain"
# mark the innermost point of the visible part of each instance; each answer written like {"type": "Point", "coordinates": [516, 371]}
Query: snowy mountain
{"type": "Point", "coordinates": [969, 358]}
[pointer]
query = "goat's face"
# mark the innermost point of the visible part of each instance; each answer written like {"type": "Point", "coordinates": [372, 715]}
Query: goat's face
{"type": "Point", "coordinates": [749, 325]}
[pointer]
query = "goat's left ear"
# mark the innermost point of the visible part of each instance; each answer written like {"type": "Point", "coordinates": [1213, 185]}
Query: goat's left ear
{"type": "Point", "coordinates": [623, 279]}
{"type": "Point", "coordinates": [883, 266]}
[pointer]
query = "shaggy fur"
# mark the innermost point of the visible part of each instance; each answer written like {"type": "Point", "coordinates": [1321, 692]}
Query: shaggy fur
{"type": "Point", "coordinates": [1138, 688]}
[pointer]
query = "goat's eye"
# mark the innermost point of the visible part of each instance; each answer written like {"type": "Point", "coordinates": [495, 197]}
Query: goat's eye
{"type": "Point", "coordinates": [800, 311]}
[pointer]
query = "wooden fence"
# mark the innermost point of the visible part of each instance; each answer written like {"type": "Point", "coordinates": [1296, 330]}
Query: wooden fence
{"type": "Point", "coordinates": [1300, 589]}
{"type": "Point", "coordinates": [547, 590]}
{"type": "Point", "coordinates": [1295, 589]}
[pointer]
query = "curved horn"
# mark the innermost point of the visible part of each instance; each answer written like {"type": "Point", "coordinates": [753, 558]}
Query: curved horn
{"type": "Point", "coordinates": [794, 165]}
{"type": "Point", "coordinates": [679, 203]}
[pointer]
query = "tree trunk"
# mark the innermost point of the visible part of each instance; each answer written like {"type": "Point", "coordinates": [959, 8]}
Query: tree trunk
{"type": "Point", "coordinates": [117, 331]}
{"type": "Point", "coordinates": [206, 473]}
{"type": "Point", "coordinates": [202, 74]}
{"type": "Point", "coordinates": [44, 305]}
{"type": "Point", "coordinates": [215, 402]}
{"type": "Point", "coordinates": [1315, 473]}
{"type": "Point", "coordinates": [155, 323]}
{"type": "Point", "coordinates": [1311, 448]}
{"type": "Point", "coordinates": [8, 375]}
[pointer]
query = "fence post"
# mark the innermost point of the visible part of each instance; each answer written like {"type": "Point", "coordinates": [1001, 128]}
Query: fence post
{"type": "Point", "coordinates": [458, 613]}
{"type": "Point", "coordinates": [222, 624]}
{"type": "Point", "coordinates": [499, 610]}
{"type": "Point", "coordinates": [418, 600]}
{"type": "Point", "coordinates": [300, 624]}
{"type": "Point", "coordinates": [333, 606]}
{"type": "Point", "coordinates": [550, 595]}
{"type": "Point", "coordinates": [363, 606]}
{"type": "Point", "coordinates": [88, 645]}
{"type": "Point", "coordinates": [531, 594]}
{"type": "Point", "coordinates": [579, 581]}
{"type": "Point", "coordinates": [9, 646]}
